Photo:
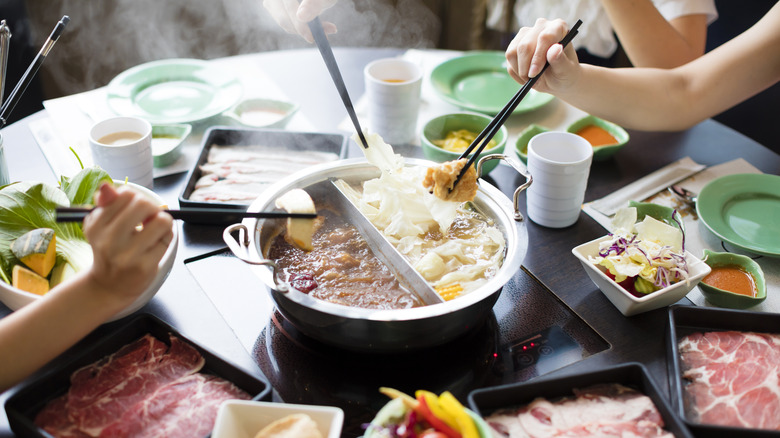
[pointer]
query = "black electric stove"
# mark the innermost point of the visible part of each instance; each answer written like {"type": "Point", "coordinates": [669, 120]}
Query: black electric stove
{"type": "Point", "coordinates": [529, 333]}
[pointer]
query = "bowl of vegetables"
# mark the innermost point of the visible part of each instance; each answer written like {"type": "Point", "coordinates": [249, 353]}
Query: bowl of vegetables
{"type": "Point", "coordinates": [444, 138]}
{"type": "Point", "coordinates": [641, 265]}
{"type": "Point", "coordinates": [425, 415]}
{"type": "Point", "coordinates": [37, 253]}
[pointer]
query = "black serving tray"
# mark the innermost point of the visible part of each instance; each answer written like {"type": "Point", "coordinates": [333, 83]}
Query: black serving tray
{"type": "Point", "coordinates": [223, 135]}
{"type": "Point", "coordinates": [22, 407]}
{"type": "Point", "coordinates": [684, 320]}
{"type": "Point", "coordinates": [485, 401]}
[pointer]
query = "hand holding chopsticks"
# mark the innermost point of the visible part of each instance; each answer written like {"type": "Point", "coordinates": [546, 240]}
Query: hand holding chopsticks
{"type": "Point", "coordinates": [492, 128]}
{"type": "Point", "coordinates": [77, 214]}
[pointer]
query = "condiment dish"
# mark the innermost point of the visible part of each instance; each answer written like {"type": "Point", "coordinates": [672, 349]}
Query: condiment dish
{"type": "Point", "coordinates": [244, 419]}
{"type": "Point", "coordinates": [438, 128]}
{"type": "Point", "coordinates": [263, 113]}
{"type": "Point", "coordinates": [521, 144]}
{"type": "Point", "coordinates": [725, 298]}
{"type": "Point", "coordinates": [167, 142]}
{"type": "Point", "coordinates": [663, 213]}
{"type": "Point", "coordinates": [604, 152]}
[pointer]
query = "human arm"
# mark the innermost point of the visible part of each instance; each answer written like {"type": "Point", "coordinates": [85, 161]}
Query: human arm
{"type": "Point", "coordinates": [293, 17]}
{"type": "Point", "coordinates": [125, 262]}
{"type": "Point", "coordinates": [652, 99]}
{"type": "Point", "coordinates": [650, 40]}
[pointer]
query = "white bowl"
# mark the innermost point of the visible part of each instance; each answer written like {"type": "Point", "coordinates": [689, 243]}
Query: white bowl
{"type": "Point", "coordinates": [243, 419]}
{"type": "Point", "coordinates": [15, 298]}
{"type": "Point", "coordinates": [622, 299]}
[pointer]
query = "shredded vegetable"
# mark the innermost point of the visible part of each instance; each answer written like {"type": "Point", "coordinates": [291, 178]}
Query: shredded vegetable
{"type": "Point", "coordinates": [647, 255]}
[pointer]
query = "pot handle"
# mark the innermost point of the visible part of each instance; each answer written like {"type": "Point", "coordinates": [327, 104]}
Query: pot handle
{"type": "Point", "coordinates": [240, 248]}
{"type": "Point", "coordinates": [520, 168]}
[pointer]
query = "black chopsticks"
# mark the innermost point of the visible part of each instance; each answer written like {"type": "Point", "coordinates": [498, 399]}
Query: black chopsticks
{"type": "Point", "coordinates": [492, 128]}
{"type": "Point", "coordinates": [21, 86]}
{"type": "Point", "coordinates": [77, 214]}
{"type": "Point", "coordinates": [330, 61]}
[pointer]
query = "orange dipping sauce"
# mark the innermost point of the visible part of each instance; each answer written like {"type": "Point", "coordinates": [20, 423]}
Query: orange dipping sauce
{"type": "Point", "coordinates": [732, 279]}
{"type": "Point", "coordinates": [597, 136]}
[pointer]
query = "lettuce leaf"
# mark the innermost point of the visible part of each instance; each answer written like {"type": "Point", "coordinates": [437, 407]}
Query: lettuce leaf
{"type": "Point", "coordinates": [25, 206]}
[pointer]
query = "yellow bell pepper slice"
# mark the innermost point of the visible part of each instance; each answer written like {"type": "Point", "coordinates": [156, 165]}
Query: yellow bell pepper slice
{"type": "Point", "coordinates": [464, 423]}
{"type": "Point", "coordinates": [432, 400]}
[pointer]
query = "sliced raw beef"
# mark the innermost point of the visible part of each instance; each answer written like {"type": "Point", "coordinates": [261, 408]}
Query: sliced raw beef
{"type": "Point", "coordinates": [185, 408]}
{"type": "Point", "coordinates": [734, 378]}
{"type": "Point", "coordinates": [607, 410]}
{"type": "Point", "coordinates": [54, 419]}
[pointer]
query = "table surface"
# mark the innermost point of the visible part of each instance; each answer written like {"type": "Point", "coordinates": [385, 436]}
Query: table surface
{"type": "Point", "coordinates": [548, 264]}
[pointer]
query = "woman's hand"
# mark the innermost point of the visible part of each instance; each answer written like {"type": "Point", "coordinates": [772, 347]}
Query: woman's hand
{"type": "Point", "coordinates": [294, 17]}
{"type": "Point", "coordinates": [533, 46]}
{"type": "Point", "coordinates": [129, 236]}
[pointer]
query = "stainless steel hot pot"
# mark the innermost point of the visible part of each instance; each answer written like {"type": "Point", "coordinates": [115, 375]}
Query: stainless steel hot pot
{"type": "Point", "coordinates": [365, 329]}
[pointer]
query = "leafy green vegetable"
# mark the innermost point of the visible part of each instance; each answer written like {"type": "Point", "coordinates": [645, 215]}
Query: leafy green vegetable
{"type": "Point", "coordinates": [25, 206]}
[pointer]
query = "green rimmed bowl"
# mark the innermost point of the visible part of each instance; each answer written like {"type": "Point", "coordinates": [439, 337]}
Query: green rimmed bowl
{"type": "Point", "coordinates": [438, 127]}
{"type": "Point", "coordinates": [167, 142]}
{"type": "Point", "coordinates": [660, 212]}
{"type": "Point", "coordinates": [602, 152]}
{"type": "Point", "coordinates": [521, 144]}
{"type": "Point", "coordinates": [263, 113]}
{"type": "Point", "coordinates": [724, 298]}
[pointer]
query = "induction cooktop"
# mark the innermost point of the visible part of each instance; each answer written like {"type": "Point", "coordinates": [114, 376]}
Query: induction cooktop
{"type": "Point", "coordinates": [529, 333]}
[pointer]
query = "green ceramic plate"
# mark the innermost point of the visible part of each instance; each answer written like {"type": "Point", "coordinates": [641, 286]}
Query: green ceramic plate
{"type": "Point", "coordinates": [742, 210]}
{"type": "Point", "coordinates": [478, 81]}
{"type": "Point", "coordinates": [173, 91]}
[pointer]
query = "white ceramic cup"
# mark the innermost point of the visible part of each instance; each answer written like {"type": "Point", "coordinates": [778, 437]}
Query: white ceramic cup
{"type": "Point", "coordinates": [560, 164]}
{"type": "Point", "coordinates": [393, 96]}
{"type": "Point", "coordinates": [122, 146]}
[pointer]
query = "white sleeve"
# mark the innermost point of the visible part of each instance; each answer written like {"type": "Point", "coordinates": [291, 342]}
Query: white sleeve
{"type": "Point", "coordinates": [672, 9]}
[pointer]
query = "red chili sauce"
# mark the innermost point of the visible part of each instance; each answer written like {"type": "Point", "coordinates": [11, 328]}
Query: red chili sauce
{"type": "Point", "coordinates": [597, 136]}
{"type": "Point", "coordinates": [341, 268]}
{"type": "Point", "coordinates": [733, 279]}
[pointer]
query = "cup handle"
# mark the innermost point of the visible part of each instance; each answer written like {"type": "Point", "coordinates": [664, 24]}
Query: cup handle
{"type": "Point", "coordinates": [521, 169]}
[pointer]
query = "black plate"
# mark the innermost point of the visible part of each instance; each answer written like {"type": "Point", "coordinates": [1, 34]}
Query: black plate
{"type": "Point", "coordinates": [221, 135]}
{"type": "Point", "coordinates": [22, 407]}
{"type": "Point", "coordinates": [684, 320]}
{"type": "Point", "coordinates": [485, 401]}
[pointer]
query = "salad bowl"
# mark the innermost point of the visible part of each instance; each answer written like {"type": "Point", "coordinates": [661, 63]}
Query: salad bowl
{"type": "Point", "coordinates": [627, 303]}
{"type": "Point", "coordinates": [16, 298]}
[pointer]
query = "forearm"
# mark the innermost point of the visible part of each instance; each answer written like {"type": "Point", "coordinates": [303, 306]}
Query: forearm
{"type": "Point", "coordinates": [650, 40]}
{"type": "Point", "coordinates": [35, 334]}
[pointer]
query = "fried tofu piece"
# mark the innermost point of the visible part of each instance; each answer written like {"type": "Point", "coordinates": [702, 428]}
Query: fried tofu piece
{"type": "Point", "coordinates": [440, 178]}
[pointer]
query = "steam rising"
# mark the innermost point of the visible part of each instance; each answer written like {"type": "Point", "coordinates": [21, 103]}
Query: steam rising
{"type": "Point", "coordinates": [106, 37]}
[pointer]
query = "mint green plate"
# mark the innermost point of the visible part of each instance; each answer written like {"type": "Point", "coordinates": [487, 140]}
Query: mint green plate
{"type": "Point", "coordinates": [478, 81]}
{"type": "Point", "coordinates": [173, 91]}
{"type": "Point", "coordinates": [743, 210]}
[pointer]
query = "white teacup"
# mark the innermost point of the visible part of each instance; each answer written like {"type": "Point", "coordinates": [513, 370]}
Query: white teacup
{"type": "Point", "coordinates": [122, 146]}
{"type": "Point", "coordinates": [393, 95]}
{"type": "Point", "coordinates": [560, 164]}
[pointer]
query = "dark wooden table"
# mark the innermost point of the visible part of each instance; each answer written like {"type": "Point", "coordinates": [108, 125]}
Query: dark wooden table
{"type": "Point", "coordinates": [549, 263]}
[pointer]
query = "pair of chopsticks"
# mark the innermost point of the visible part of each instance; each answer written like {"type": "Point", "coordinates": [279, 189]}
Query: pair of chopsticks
{"type": "Point", "coordinates": [330, 61]}
{"type": "Point", "coordinates": [77, 214]}
{"type": "Point", "coordinates": [21, 86]}
{"type": "Point", "coordinates": [492, 128]}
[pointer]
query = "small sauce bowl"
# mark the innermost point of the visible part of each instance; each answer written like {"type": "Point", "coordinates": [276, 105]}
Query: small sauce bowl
{"type": "Point", "coordinates": [725, 298]}
{"type": "Point", "coordinates": [602, 152]}
{"type": "Point", "coordinates": [167, 141]}
{"type": "Point", "coordinates": [263, 113]}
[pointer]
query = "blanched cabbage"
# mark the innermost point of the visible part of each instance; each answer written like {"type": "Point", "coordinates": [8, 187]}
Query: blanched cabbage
{"type": "Point", "coordinates": [446, 242]}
